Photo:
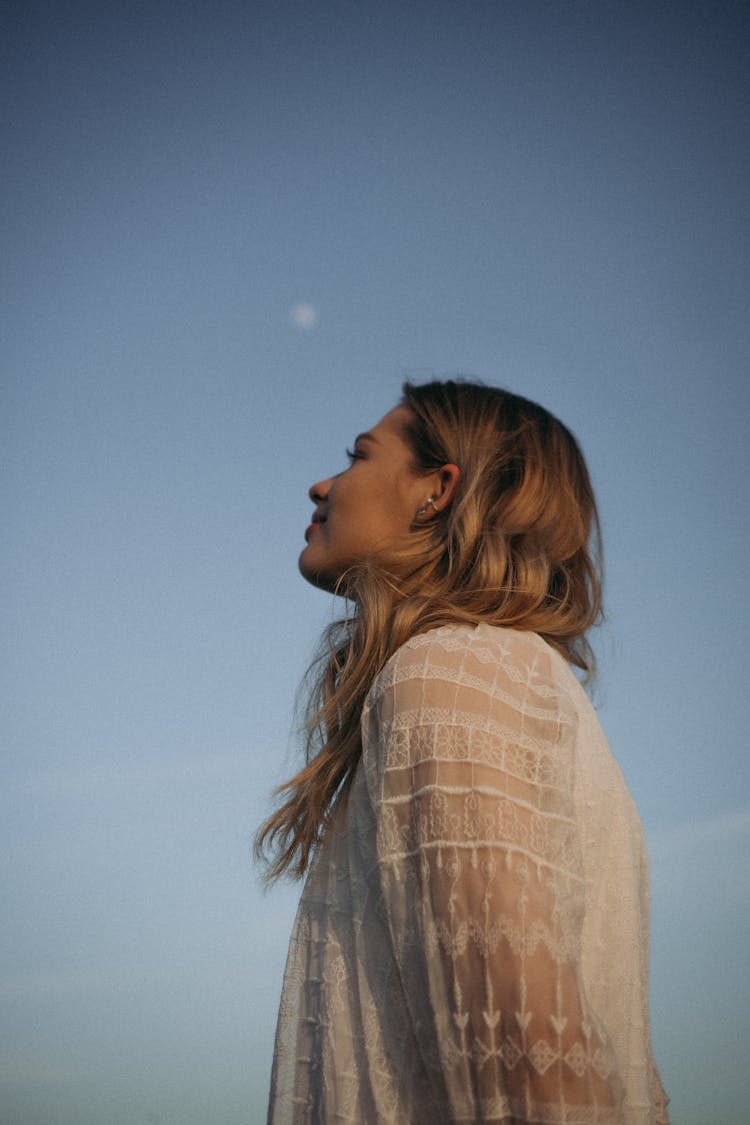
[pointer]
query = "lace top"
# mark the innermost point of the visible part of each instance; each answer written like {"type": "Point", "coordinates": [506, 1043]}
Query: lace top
{"type": "Point", "coordinates": [472, 940]}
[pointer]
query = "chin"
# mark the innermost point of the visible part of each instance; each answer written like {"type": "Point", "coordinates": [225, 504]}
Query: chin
{"type": "Point", "coordinates": [321, 578]}
{"type": "Point", "coordinates": [312, 574]}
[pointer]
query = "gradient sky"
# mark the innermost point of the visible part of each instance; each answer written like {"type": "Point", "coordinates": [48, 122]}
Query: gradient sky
{"type": "Point", "coordinates": [229, 231]}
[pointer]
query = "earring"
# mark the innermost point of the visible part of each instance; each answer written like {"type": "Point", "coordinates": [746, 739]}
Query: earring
{"type": "Point", "coordinates": [421, 512]}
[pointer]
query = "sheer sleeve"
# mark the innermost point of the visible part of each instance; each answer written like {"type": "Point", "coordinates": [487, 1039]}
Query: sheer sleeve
{"type": "Point", "coordinates": [470, 772]}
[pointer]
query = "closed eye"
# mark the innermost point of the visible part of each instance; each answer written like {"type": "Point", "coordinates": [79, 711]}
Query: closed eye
{"type": "Point", "coordinates": [353, 455]}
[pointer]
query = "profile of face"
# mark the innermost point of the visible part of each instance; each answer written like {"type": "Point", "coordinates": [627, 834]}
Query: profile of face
{"type": "Point", "coordinates": [373, 504]}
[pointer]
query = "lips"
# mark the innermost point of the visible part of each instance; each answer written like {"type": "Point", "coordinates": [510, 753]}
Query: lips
{"type": "Point", "coordinates": [317, 520]}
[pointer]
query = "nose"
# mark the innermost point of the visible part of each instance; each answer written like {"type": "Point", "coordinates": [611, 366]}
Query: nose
{"type": "Point", "coordinates": [318, 493]}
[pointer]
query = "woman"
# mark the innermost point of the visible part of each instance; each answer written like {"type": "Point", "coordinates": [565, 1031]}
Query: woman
{"type": "Point", "coordinates": [472, 941]}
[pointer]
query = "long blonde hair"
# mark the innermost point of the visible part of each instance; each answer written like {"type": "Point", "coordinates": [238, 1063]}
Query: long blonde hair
{"type": "Point", "coordinates": [519, 546]}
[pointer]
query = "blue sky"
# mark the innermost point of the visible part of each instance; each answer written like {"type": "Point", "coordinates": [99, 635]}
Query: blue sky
{"type": "Point", "coordinates": [547, 196]}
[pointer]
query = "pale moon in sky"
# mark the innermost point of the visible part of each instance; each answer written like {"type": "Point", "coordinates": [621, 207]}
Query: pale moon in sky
{"type": "Point", "coordinates": [303, 315]}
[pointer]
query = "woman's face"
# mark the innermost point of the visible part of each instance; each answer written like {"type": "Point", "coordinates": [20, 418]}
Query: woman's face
{"type": "Point", "coordinates": [367, 507]}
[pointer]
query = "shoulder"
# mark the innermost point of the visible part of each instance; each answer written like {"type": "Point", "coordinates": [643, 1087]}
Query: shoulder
{"type": "Point", "coordinates": [474, 697]}
{"type": "Point", "coordinates": [498, 662]}
{"type": "Point", "coordinates": [507, 683]}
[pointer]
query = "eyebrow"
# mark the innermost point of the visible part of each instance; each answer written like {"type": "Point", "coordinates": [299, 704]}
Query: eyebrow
{"type": "Point", "coordinates": [367, 436]}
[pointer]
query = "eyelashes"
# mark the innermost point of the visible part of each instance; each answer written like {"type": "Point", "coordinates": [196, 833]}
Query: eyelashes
{"type": "Point", "coordinates": [353, 455]}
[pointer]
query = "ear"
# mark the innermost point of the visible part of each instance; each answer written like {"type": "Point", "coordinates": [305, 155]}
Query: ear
{"type": "Point", "coordinates": [444, 482]}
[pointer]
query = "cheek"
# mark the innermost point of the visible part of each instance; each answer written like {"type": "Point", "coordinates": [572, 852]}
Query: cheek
{"type": "Point", "coordinates": [406, 501]}
{"type": "Point", "coordinates": [391, 518]}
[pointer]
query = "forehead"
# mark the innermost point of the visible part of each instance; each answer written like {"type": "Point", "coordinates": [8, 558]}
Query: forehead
{"type": "Point", "coordinates": [392, 426]}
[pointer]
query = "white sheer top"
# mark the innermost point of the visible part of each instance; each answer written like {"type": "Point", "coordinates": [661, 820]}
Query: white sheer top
{"type": "Point", "coordinates": [472, 940]}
